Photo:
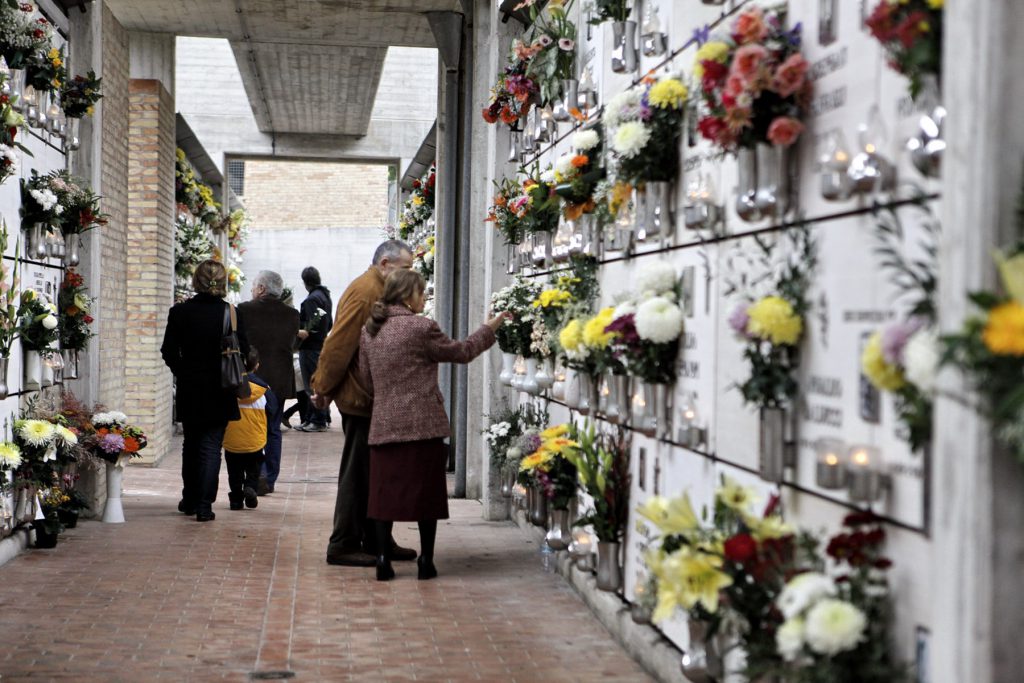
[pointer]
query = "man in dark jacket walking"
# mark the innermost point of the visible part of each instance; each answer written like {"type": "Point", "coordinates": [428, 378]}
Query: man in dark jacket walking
{"type": "Point", "coordinates": [314, 323]}
{"type": "Point", "coordinates": [272, 327]}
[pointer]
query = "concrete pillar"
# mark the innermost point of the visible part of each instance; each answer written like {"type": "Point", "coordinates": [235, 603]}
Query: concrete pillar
{"type": "Point", "coordinates": [978, 549]}
{"type": "Point", "coordinates": [151, 56]}
{"type": "Point", "coordinates": [150, 276]}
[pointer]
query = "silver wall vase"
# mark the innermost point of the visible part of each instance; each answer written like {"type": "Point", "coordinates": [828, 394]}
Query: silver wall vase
{"type": "Point", "coordinates": [777, 443]}
{"type": "Point", "coordinates": [33, 369]}
{"type": "Point", "coordinates": [570, 100]}
{"type": "Point", "coordinates": [14, 88]}
{"type": "Point", "coordinates": [71, 245]}
{"type": "Point", "coordinates": [514, 142]}
{"type": "Point", "coordinates": [617, 406]}
{"type": "Point", "coordinates": [70, 363]}
{"type": "Point", "coordinates": [559, 534]}
{"type": "Point", "coordinates": [624, 57]}
{"type": "Point", "coordinates": [571, 391]}
{"type": "Point", "coordinates": [508, 481]}
{"type": "Point", "coordinates": [660, 222]}
{"type": "Point", "coordinates": [37, 248]}
{"type": "Point", "coordinates": [702, 661]}
{"type": "Point", "coordinates": [4, 388]}
{"type": "Point", "coordinates": [746, 189]}
{"type": "Point", "coordinates": [586, 383]}
{"type": "Point", "coordinates": [72, 141]}
{"type": "Point", "coordinates": [770, 197]}
{"type": "Point", "coordinates": [538, 506]}
{"type": "Point", "coordinates": [541, 248]}
{"type": "Point", "coordinates": [609, 571]}
{"type": "Point", "coordinates": [508, 368]}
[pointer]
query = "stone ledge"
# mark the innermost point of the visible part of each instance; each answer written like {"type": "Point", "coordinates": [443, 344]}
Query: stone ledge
{"type": "Point", "coordinates": [655, 653]}
{"type": "Point", "coordinates": [12, 546]}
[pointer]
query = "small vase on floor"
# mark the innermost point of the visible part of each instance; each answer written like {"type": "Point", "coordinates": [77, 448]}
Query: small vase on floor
{"type": "Point", "coordinates": [113, 511]}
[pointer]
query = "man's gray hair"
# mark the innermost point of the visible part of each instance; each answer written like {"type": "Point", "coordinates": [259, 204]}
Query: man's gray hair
{"type": "Point", "coordinates": [271, 282]}
{"type": "Point", "coordinates": [390, 250]}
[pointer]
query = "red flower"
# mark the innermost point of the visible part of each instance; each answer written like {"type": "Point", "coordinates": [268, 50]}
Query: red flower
{"type": "Point", "coordinates": [490, 116]}
{"type": "Point", "coordinates": [714, 74]}
{"type": "Point", "coordinates": [87, 319]}
{"type": "Point", "coordinates": [909, 30]}
{"type": "Point", "coordinates": [740, 548]}
{"type": "Point", "coordinates": [711, 127]}
{"type": "Point", "coordinates": [416, 184]}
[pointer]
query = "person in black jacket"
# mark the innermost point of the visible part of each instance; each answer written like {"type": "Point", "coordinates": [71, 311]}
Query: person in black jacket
{"type": "Point", "coordinates": [314, 324]}
{"type": "Point", "coordinates": [192, 350]}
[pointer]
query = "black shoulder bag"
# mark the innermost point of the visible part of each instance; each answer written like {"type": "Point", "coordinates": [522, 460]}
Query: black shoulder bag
{"type": "Point", "coordinates": [232, 368]}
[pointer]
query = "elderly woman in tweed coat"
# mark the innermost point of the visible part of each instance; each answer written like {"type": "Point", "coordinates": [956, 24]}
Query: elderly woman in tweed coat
{"type": "Point", "coordinates": [398, 356]}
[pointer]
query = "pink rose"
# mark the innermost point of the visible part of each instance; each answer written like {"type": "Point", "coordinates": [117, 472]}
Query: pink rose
{"type": "Point", "coordinates": [790, 76]}
{"type": "Point", "coordinates": [784, 131]}
{"type": "Point", "coordinates": [734, 86]}
{"type": "Point", "coordinates": [750, 27]}
{"type": "Point", "coordinates": [748, 61]}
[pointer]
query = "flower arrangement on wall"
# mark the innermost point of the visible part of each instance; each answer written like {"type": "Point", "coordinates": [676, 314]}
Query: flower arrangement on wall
{"type": "Point", "coordinates": [238, 231]}
{"type": "Point", "coordinates": [22, 34]}
{"type": "Point", "coordinates": [60, 201]}
{"type": "Point", "coordinates": [37, 321]}
{"type": "Point", "coordinates": [910, 31]}
{"type": "Point", "coordinates": [577, 173]}
{"type": "Point", "coordinates": [548, 469]}
{"type": "Point", "coordinates": [419, 206]}
{"type": "Point", "coordinates": [79, 95]}
{"type": "Point", "coordinates": [567, 294]}
{"type": "Point", "coordinates": [602, 464]}
{"type": "Point", "coordinates": [194, 195]}
{"type": "Point", "coordinates": [9, 287]}
{"type": "Point", "coordinates": [753, 83]}
{"type": "Point", "coordinates": [192, 246]}
{"type": "Point", "coordinates": [515, 334]}
{"type": "Point", "coordinates": [73, 305]}
{"type": "Point", "coordinates": [526, 207]}
{"type": "Point", "coordinates": [506, 427]}
{"type": "Point", "coordinates": [771, 325]}
{"type": "Point", "coordinates": [644, 126]}
{"type": "Point", "coordinates": [12, 123]}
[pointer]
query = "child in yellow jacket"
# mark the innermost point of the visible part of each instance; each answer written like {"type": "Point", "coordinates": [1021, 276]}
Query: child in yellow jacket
{"type": "Point", "coordinates": [245, 438]}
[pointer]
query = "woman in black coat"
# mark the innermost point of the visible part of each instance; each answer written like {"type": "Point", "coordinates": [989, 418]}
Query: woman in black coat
{"type": "Point", "coordinates": [192, 350]}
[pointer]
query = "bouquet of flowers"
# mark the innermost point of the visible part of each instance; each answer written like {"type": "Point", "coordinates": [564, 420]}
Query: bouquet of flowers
{"type": "Point", "coordinates": [44, 445]}
{"type": "Point", "coordinates": [10, 461]}
{"type": "Point", "coordinates": [644, 126]}
{"type": "Point", "coordinates": [79, 94]}
{"type": "Point", "coordinates": [235, 278]}
{"type": "Point", "coordinates": [73, 304]}
{"type": "Point", "coordinates": [772, 326]}
{"type": "Point", "coordinates": [645, 329]}
{"type": "Point", "coordinates": [507, 428]}
{"type": "Point", "coordinates": [511, 96]}
{"type": "Point", "coordinates": [549, 467]}
{"type": "Point", "coordinates": [610, 10]}
{"type": "Point", "coordinates": [195, 196]}
{"type": "Point", "coordinates": [514, 335]}
{"type": "Point", "coordinates": [910, 31]}
{"type": "Point", "coordinates": [114, 438]}
{"type": "Point", "coordinates": [11, 121]}
{"type": "Point", "coordinates": [192, 246]}
{"type": "Point", "coordinates": [21, 34]}
{"type": "Point", "coordinates": [238, 230]}
{"type": "Point", "coordinates": [567, 294]}
{"type": "Point", "coordinates": [81, 205]}
{"type": "Point", "coordinates": [46, 70]}
{"type": "Point", "coordinates": [40, 201]}
{"type": "Point", "coordinates": [419, 207]}
{"type": "Point", "coordinates": [37, 321]}
{"type": "Point", "coordinates": [423, 262]}
{"type": "Point", "coordinates": [577, 173]}
{"type": "Point", "coordinates": [553, 48]}
{"type": "Point", "coordinates": [753, 83]}
{"type": "Point", "coordinates": [602, 462]}
{"type": "Point", "coordinates": [524, 208]}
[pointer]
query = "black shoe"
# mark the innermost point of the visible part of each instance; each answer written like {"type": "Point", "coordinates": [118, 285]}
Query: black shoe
{"type": "Point", "coordinates": [355, 558]}
{"type": "Point", "coordinates": [206, 516]}
{"type": "Point", "coordinates": [384, 570]}
{"type": "Point", "coordinates": [187, 508]}
{"type": "Point", "coordinates": [315, 428]}
{"type": "Point", "coordinates": [286, 424]}
{"type": "Point", "coordinates": [234, 506]}
{"type": "Point", "coordinates": [249, 495]}
{"type": "Point", "coordinates": [262, 487]}
{"type": "Point", "coordinates": [425, 569]}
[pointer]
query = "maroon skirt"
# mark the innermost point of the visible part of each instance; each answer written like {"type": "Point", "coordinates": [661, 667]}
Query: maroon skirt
{"type": "Point", "coordinates": [408, 481]}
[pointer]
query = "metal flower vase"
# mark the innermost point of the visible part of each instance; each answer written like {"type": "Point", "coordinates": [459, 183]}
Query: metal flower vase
{"type": "Point", "coordinates": [624, 53]}
{"type": "Point", "coordinates": [660, 223]}
{"type": "Point", "coordinates": [70, 363]}
{"type": "Point", "coordinates": [770, 197]}
{"type": "Point", "coordinates": [559, 534]}
{"type": "Point", "coordinates": [538, 504]}
{"type": "Point", "coordinates": [746, 188]}
{"type": "Point", "coordinates": [71, 244]}
{"type": "Point", "coordinates": [4, 388]}
{"type": "Point", "coordinates": [541, 248]}
{"type": "Point", "coordinates": [545, 374]}
{"type": "Point", "coordinates": [702, 661]}
{"type": "Point", "coordinates": [617, 405]}
{"type": "Point", "coordinates": [654, 420]}
{"type": "Point", "coordinates": [113, 511]}
{"type": "Point", "coordinates": [24, 504]}
{"type": "Point", "coordinates": [33, 370]}
{"type": "Point", "coordinates": [508, 368]}
{"type": "Point", "coordinates": [609, 571]}
{"type": "Point", "coordinates": [37, 241]}
{"type": "Point", "coordinates": [586, 384]}
{"type": "Point", "coordinates": [776, 444]}
{"type": "Point", "coordinates": [508, 481]}
{"type": "Point", "coordinates": [570, 100]}
{"type": "Point", "coordinates": [571, 390]}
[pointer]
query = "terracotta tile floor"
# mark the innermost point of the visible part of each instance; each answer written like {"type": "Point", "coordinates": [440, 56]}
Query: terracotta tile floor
{"type": "Point", "coordinates": [163, 597]}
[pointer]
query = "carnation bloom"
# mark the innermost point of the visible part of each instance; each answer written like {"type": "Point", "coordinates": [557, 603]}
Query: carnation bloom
{"type": "Point", "coordinates": [1004, 332]}
{"type": "Point", "coordinates": [659, 320]}
{"type": "Point", "coordinates": [772, 318]}
{"type": "Point", "coordinates": [586, 140]}
{"type": "Point", "coordinates": [630, 139]}
{"type": "Point", "coordinates": [10, 455]}
{"type": "Point", "coordinates": [834, 626]}
{"type": "Point", "coordinates": [784, 131]}
{"type": "Point", "coordinates": [802, 591]}
{"type": "Point", "coordinates": [36, 432]}
{"type": "Point", "coordinates": [883, 375]}
{"type": "Point", "coordinates": [668, 93]}
{"type": "Point", "coordinates": [789, 639]}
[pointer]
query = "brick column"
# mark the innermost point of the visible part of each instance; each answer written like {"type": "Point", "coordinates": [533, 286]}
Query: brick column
{"type": "Point", "coordinates": [150, 259]}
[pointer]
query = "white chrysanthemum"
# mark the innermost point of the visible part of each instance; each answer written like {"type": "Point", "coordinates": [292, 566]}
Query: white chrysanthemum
{"type": "Point", "coordinates": [102, 419]}
{"type": "Point", "coordinates": [10, 455]}
{"type": "Point", "coordinates": [834, 626]}
{"type": "Point", "coordinates": [563, 165]}
{"type": "Point", "coordinates": [50, 322]}
{"type": "Point", "coordinates": [802, 591]}
{"type": "Point", "coordinates": [630, 139]}
{"type": "Point", "coordinates": [10, 158]}
{"type": "Point", "coordinates": [659, 320]}
{"type": "Point", "coordinates": [36, 432]}
{"type": "Point", "coordinates": [621, 108]}
{"type": "Point", "coordinates": [585, 140]}
{"type": "Point", "coordinates": [118, 417]}
{"type": "Point", "coordinates": [921, 359]}
{"type": "Point", "coordinates": [66, 435]}
{"type": "Point", "coordinates": [659, 277]}
{"type": "Point", "coordinates": [548, 176]}
{"type": "Point", "coordinates": [45, 198]}
{"type": "Point", "coordinates": [789, 639]}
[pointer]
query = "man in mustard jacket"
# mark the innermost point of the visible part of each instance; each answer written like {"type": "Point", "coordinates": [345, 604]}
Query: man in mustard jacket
{"type": "Point", "coordinates": [337, 378]}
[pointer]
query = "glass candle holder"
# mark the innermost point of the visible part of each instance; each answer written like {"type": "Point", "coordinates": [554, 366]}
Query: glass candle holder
{"type": "Point", "coordinates": [830, 470]}
{"type": "Point", "coordinates": [864, 474]}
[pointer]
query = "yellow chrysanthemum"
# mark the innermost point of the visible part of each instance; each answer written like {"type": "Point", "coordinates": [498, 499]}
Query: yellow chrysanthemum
{"type": "Point", "coordinates": [712, 51]}
{"type": "Point", "coordinates": [554, 432]}
{"type": "Point", "coordinates": [571, 336]}
{"type": "Point", "coordinates": [10, 455]}
{"type": "Point", "coordinates": [883, 375]}
{"type": "Point", "coordinates": [550, 298]}
{"type": "Point", "coordinates": [772, 318]}
{"type": "Point", "coordinates": [736, 497]}
{"type": "Point", "coordinates": [36, 432]}
{"type": "Point", "coordinates": [594, 335]}
{"type": "Point", "coordinates": [1004, 332]}
{"type": "Point", "coordinates": [668, 93]}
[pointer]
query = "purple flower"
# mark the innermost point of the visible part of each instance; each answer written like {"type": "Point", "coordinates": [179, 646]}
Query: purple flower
{"type": "Point", "coordinates": [701, 35]}
{"type": "Point", "coordinates": [528, 443]}
{"type": "Point", "coordinates": [739, 319]}
{"type": "Point", "coordinates": [895, 337]}
{"type": "Point", "coordinates": [625, 327]}
{"type": "Point", "coordinates": [645, 108]}
{"type": "Point", "coordinates": [111, 443]}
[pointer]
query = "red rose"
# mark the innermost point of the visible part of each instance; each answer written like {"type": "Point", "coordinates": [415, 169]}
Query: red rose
{"type": "Point", "coordinates": [714, 73]}
{"type": "Point", "coordinates": [740, 548]}
{"type": "Point", "coordinates": [711, 127]}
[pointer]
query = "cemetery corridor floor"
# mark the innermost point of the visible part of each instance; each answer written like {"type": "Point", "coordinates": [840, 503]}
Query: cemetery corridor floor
{"type": "Point", "coordinates": [250, 596]}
